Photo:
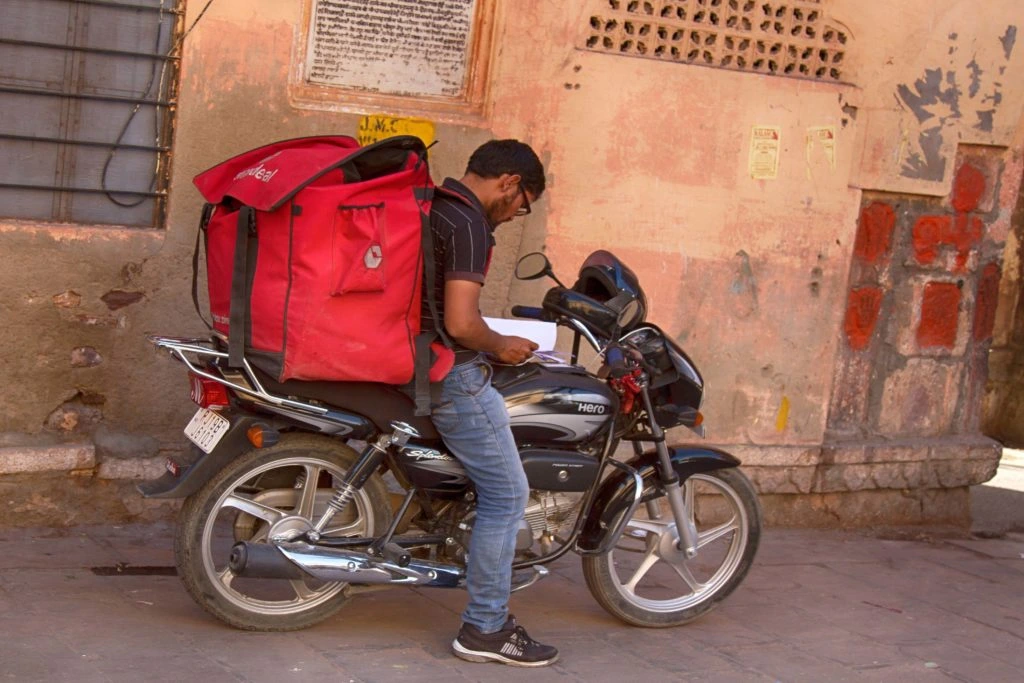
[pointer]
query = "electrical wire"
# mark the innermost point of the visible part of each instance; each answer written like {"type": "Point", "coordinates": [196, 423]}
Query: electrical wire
{"type": "Point", "coordinates": [163, 70]}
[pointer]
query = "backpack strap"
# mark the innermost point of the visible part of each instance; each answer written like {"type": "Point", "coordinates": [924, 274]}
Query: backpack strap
{"type": "Point", "coordinates": [421, 381]}
{"type": "Point", "coordinates": [425, 338]}
{"type": "Point", "coordinates": [204, 220]}
{"type": "Point", "coordinates": [245, 247]}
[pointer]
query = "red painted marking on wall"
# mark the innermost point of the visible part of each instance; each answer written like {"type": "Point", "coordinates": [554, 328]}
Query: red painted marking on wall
{"type": "Point", "coordinates": [985, 304]}
{"type": "Point", "coordinates": [930, 233]}
{"type": "Point", "coordinates": [927, 235]}
{"type": "Point", "coordinates": [940, 308]}
{"type": "Point", "coordinates": [967, 232]}
{"type": "Point", "coordinates": [861, 316]}
{"type": "Point", "coordinates": [874, 235]}
{"type": "Point", "coordinates": [968, 187]}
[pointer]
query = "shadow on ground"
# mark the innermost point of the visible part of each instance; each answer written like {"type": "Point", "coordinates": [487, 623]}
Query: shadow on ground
{"type": "Point", "coordinates": [997, 506]}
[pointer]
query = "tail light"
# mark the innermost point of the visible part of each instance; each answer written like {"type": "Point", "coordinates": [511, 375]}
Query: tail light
{"type": "Point", "coordinates": [208, 393]}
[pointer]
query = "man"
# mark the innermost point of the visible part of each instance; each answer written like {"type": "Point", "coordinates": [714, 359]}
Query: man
{"type": "Point", "coordinates": [502, 179]}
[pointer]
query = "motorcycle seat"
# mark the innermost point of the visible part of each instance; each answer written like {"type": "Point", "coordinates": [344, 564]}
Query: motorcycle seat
{"type": "Point", "coordinates": [379, 403]}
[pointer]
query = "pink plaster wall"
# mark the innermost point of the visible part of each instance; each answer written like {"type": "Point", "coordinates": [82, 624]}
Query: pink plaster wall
{"type": "Point", "coordinates": [645, 158]}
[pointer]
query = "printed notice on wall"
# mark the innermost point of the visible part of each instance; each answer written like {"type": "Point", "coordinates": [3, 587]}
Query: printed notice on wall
{"type": "Point", "coordinates": [376, 127]}
{"type": "Point", "coordinates": [397, 47]}
{"type": "Point", "coordinates": [764, 152]}
{"type": "Point", "coordinates": [823, 137]}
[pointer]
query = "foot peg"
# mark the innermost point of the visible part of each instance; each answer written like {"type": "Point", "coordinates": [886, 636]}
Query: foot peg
{"type": "Point", "coordinates": [525, 580]}
{"type": "Point", "coordinates": [393, 553]}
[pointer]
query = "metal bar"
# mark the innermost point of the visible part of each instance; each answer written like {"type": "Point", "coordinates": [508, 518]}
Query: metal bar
{"type": "Point", "coordinates": [82, 190]}
{"type": "Point", "coordinates": [179, 346]}
{"type": "Point", "coordinates": [404, 541]}
{"type": "Point", "coordinates": [85, 96]}
{"type": "Point", "coordinates": [123, 5]}
{"type": "Point", "coordinates": [89, 50]}
{"type": "Point", "coordinates": [84, 143]}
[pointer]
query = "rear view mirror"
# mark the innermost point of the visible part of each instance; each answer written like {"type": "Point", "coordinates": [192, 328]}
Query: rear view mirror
{"type": "Point", "coordinates": [532, 266]}
{"type": "Point", "coordinates": [628, 314]}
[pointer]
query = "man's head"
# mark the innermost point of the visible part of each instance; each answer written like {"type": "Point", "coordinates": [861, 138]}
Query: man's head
{"type": "Point", "coordinates": [507, 177]}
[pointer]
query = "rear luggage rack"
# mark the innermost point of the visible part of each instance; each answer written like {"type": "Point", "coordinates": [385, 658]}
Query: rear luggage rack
{"type": "Point", "coordinates": [180, 347]}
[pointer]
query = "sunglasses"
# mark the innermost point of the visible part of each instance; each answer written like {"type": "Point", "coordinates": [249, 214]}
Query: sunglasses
{"type": "Point", "coordinates": [523, 210]}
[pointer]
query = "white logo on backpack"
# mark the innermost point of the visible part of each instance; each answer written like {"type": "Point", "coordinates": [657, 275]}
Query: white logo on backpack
{"type": "Point", "coordinates": [374, 257]}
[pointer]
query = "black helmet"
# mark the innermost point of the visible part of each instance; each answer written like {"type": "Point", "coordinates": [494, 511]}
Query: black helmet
{"type": "Point", "coordinates": [606, 279]}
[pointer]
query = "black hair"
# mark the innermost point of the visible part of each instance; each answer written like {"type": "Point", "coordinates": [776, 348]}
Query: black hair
{"type": "Point", "coordinates": [494, 158]}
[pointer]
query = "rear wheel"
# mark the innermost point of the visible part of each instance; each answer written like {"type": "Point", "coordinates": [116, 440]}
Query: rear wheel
{"type": "Point", "coordinates": [646, 580]}
{"type": "Point", "coordinates": [265, 492]}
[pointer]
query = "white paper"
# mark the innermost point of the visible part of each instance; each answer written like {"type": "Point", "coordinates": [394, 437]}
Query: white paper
{"type": "Point", "coordinates": [541, 333]}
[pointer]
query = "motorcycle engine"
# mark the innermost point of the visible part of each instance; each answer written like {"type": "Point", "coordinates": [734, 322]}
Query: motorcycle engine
{"type": "Point", "coordinates": [549, 515]}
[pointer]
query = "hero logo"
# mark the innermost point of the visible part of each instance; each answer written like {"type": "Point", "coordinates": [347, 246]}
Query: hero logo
{"type": "Point", "coordinates": [591, 408]}
{"type": "Point", "coordinates": [373, 257]}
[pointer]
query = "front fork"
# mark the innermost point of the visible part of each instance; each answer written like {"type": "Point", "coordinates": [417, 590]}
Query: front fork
{"type": "Point", "coordinates": [670, 481]}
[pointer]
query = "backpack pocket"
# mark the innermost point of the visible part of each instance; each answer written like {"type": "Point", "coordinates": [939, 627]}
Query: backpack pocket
{"type": "Point", "coordinates": [358, 249]}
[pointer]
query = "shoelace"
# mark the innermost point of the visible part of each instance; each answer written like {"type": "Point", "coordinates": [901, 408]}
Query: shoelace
{"type": "Point", "coordinates": [521, 639]}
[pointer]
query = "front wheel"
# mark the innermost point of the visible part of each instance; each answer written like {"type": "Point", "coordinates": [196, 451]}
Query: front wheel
{"type": "Point", "coordinates": [646, 580]}
{"type": "Point", "coordinates": [266, 492]}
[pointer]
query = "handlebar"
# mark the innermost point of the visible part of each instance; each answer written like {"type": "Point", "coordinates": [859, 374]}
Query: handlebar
{"type": "Point", "coordinates": [532, 312]}
{"type": "Point", "coordinates": [616, 360]}
{"type": "Point", "coordinates": [537, 313]}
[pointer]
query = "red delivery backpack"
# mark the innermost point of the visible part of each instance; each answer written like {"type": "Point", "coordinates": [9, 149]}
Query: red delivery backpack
{"type": "Point", "coordinates": [316, 250]}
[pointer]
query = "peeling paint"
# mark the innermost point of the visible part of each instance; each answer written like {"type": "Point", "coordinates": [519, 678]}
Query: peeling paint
{"type": "Point", "coordinates": [744, 285]}
{"type": "Point", "coordinates": [1008, 40]}
{"type": "Point", "coordinates": [929, 92]}
{"type": "Point", "coordinates": [976, 73]}
{"type": "Point", "coordinates": [85, 357]}
{"type": "Point", "coordinates": [929, 164]}
{"type": "Point", "coordinates": [986, 120]}
{"type": "Point", "coordinates": [67, 299]}
{"type": "Point", "coordinates": [118, 298]}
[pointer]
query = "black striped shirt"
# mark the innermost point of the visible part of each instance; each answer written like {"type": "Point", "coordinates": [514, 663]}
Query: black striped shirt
{"type": "Point", "coordinates": [463, 240]}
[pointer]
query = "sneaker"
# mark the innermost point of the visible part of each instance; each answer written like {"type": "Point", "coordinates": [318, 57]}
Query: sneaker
{"type": "Point", "coordinates": [511, 645]}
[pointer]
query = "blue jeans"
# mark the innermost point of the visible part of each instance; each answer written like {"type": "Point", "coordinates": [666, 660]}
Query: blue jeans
{"type": "Point", "coordinates": [474, 424]}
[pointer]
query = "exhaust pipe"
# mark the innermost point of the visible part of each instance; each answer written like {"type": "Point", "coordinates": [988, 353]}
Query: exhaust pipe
{"type": "Point", "coordinates": [299, 560]}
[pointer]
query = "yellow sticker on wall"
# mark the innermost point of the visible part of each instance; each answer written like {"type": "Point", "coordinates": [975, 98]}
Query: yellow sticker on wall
{"type": "Point", "coordinates": [783, 415]}
{"type": "Point", "coordinates": [375, 127]}
{"type": "Point", "coordinates": [764, 152]}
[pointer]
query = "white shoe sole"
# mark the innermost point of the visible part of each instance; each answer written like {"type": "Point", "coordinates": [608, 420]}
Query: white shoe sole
{"type": "Point", "coordinates": [477, 656]}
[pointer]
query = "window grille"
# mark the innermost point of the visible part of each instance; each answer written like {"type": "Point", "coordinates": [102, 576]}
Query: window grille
{"type": "Point", "coordinates": [88, 90]}
{"type": "Point", "coordinates": [793, 38]}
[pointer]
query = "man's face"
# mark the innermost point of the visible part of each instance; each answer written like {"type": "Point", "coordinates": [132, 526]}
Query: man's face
{"type": "Point", "coordinates": [511, 201]}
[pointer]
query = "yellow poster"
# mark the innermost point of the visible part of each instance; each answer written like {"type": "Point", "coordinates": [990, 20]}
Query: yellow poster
{"type": "Point", "coordinates": [375, 127]}
{"type": "Point", "coordinates": [764, 152]}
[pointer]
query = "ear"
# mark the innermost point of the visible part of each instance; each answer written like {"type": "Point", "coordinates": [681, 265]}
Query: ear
{"type": "Point", "coordinates": [509, 181]}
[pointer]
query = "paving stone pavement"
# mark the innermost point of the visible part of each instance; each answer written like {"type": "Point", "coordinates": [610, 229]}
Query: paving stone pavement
{"type": "Point", "coordinates": [817, 606]}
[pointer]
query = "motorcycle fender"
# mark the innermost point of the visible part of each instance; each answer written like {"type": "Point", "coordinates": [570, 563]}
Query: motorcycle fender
{"type": "Point", "coordinates": [616, 492]}
{"type": "Point", "coordinates": [232, 444]}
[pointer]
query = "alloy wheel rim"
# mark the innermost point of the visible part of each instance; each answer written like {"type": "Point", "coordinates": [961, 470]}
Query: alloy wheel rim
{"type": "Point", "coordinates": [304, 596]}
{"type": "Point", "coordinates": [660, 540]}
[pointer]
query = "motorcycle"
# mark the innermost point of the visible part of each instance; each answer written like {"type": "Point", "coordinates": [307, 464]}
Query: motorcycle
{"type": "Point", "coordinates": [284, 520]}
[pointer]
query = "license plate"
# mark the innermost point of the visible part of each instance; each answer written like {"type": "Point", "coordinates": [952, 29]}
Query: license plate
{"type": "Point", "coordinates": [206, 429]}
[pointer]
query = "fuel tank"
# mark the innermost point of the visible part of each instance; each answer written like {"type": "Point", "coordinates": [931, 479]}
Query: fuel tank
{"type": "Point", "coordinates": [555, 405]}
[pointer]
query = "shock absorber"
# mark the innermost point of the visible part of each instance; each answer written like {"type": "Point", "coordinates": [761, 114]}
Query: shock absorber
{"type": "Point", "coordinates": [357, 475]}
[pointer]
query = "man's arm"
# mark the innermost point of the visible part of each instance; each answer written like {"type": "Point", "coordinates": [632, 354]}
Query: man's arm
{"type": "Point", "coordinates": [464, 323]}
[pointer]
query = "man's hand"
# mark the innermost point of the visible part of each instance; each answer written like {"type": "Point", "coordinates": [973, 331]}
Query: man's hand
{"type": "Point", "coordinates": [463, 321]}
{"type": "Point", "coordinates": [514, 350]}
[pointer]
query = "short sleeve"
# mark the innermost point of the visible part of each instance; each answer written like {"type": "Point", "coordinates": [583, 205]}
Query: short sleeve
{"type": "Point", "coordinates": [468, 251]}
